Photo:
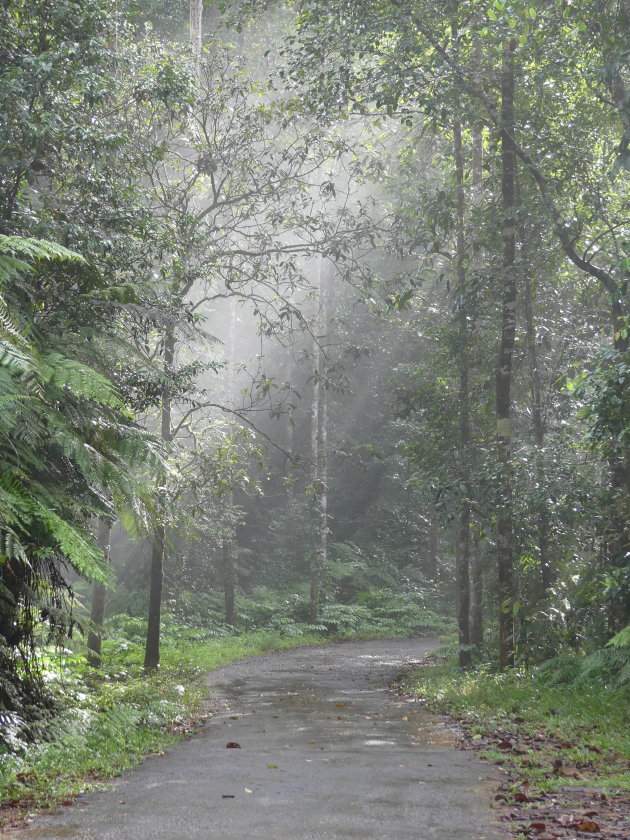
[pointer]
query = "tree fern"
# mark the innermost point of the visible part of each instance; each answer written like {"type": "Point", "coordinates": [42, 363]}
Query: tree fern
{"type": "Point", "coordinates": [68, 452]}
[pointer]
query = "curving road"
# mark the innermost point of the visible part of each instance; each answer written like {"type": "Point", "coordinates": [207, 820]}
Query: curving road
{"type": "Point", "coordinates": [326, 752]}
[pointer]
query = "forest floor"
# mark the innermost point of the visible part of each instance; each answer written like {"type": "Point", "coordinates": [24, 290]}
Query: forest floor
{"type": "Point", "coordinates": [562, 752]}
{"type": "Point", "coordinates": [300, 744]}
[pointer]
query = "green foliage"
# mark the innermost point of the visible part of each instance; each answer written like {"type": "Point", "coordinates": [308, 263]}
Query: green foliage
{"type": "Point", "coordinates": [65, 452]}
{"type": "Point", "coordinates": [609, 666]}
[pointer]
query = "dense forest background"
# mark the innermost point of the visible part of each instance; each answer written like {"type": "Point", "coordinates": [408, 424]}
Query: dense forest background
{"type": "Point", "coordinates": [314, 319]}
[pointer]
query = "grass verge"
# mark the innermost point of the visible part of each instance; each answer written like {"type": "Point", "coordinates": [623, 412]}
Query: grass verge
{"type": "Point", "coordinates": [549, 735]}
{"type": "Point", "coordinates": [563, 749]}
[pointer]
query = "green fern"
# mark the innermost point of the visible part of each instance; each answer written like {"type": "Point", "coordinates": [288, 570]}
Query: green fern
{"type": "Point", "coordinates": [80, 379]}
{"type": "Point", "coordinates": [17, 253]}
{"type": "Point", "coordinates": [621, 639]}
{"type": "Point", "coordinates": [610, 662]}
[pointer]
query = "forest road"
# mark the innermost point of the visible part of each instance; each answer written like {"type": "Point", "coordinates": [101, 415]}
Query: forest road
{"type": "Point", "coordinates": [326, 752]}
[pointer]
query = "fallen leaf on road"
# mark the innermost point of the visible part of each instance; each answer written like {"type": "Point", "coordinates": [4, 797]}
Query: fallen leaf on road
{"type": "Point", "coordinates": [538, 826]}
{"type": "Point", "coordinates": [272, 767]}
{"type": "Point", "coordinates": [232, 745]}
{"type": "Point", "coordinates": [587, 825]}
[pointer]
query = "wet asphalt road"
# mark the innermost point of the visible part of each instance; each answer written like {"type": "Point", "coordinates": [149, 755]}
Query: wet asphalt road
{"type": "Point", "coordinates": [326, 752]}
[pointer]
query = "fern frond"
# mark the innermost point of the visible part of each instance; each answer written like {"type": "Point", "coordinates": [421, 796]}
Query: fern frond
{"type": "Point", "coordinates": [82, 554]}
{"type": "Point", "coordinates": [81, 380]}
{"type": "Point", "coordinates": [36, 249]}
{"type": "Point", "coordinates": [621, 639]}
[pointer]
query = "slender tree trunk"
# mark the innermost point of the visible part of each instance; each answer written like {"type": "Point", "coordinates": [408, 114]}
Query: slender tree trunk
{"type": "Point", "coordinates": [476, 567]}
{"type": "Point", "coordinates": [538, 427]}
{"type": "Point", "coordinates": [504, 367]}
{"type": "Point", "coordinates": [228, 582]}
{"type": "Point", "coordinates": [99, 594]}
{"type": "Point", "coordinates": [434, 537]}
{"type": "Point", "coordinates": [319, 453]}
{"type": "Point", "coordinates": [463, 538]}
{"type": "Point", "coordinates": [476, 594]}
{"type": "Point", "coordinates": [229, 542]}
{"type": "Point", "coordinates": [152, 650]}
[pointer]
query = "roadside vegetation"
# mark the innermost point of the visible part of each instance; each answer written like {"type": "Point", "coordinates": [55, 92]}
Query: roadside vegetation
{"type": "Point", "coordinates": [559, 732]}
{"type": "Point", "coordinates": [564, 722]}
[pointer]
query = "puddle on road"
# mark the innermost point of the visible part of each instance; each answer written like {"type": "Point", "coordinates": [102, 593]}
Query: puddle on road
{"type": "Point", "coordinates": [417, 726]}
{"type": "Point", "coordinates": [431, 730]}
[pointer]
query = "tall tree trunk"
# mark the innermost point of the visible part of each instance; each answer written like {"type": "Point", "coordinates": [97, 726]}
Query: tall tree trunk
{"type": "Point", "coordinates": [319, 452]}
{"type": "Point", "coordinates": [229, 542]}
{"type": "Point", "coordinates": [229, 598]}
{"type": "Point", "coordinates": [463, 537]}
{"type": "Point", "coordinates": [538, 427]}
{"type": "Point", "coordinates": [504, 367]}
{"type": "Point", "coordinates": [434, 537]}
{"type": "Point", "coordinates": [476, 594]}
{"type": "Point", "coordinates": [152, 650]}
{"type": "Point", "coordinates": [196, 27]}
{"type": "Point", "coordinates": [99, 594]}
{"type": "Point", "coordinates": [476, 568]}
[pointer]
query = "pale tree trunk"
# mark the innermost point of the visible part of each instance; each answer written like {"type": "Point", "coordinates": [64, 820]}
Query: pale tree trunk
{"type": "Point", "coordinates": [504, 368]}
{"type": "Point", "coordinates": [319, 451]}
{"type": "Point", "coordinates": [463, 535]}
{"type": "Point", "coordinates": [196, 30]}
{"type": "Point", "coordinates": [229, 547]}
{"type": "Point", "coordinates": [290, 448]}
{"type": "Point", "coordinates": [99, 595]}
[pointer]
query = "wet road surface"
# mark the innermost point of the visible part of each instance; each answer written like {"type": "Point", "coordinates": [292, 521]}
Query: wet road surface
{"type": "Point", "coordinates": [326, 752]}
